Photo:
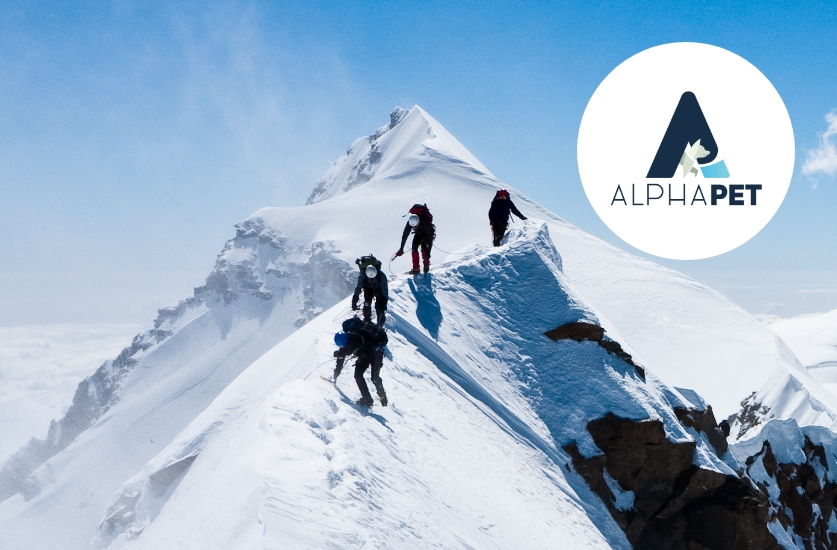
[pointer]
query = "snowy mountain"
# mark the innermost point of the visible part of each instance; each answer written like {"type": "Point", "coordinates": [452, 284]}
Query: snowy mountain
{"type": "Point", "coordinates": [806, 393]}
{"type": "Point", "coordinates": [369, 156]}
{"type": "Point", "coordinates": [470, 452]}
{"type": "Point", "coordinates": [220, 405]}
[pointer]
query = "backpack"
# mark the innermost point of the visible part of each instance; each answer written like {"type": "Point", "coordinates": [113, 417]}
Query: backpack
{"type": "Point", "coordinates": [365, 261]}
{"type": "Point", "coordinates": [352, 324]}
{"type": "Point", "coordinates": [421, 211]}
{"type": "Point", "coordinates": [363, 337]}
{"type": "Point", "coordinates": [373, 336]}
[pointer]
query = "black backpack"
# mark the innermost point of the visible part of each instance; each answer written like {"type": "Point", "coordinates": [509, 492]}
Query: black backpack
{"type": "Point", "coordinates": [352, 324]}
{"type": "Point", "coordinates": [373, 335]}
{"type": "Point", "coordinates": [364, 336]}
{"type": "Point", "coordinates": [365, 261]}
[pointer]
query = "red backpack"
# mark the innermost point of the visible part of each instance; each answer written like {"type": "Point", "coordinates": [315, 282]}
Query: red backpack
{"type": "Point", "coordinates": [421, 211]}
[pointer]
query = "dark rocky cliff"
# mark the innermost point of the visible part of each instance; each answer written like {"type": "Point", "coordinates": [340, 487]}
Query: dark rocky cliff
{"type": "Point", "coordinates": [662, 500]}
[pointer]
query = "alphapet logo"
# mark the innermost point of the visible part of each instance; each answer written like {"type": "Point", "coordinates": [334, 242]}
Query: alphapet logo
{"type": "Point", "coordinates": [688, 125]}
{"type": "Point", "coordinates": [683, 162]}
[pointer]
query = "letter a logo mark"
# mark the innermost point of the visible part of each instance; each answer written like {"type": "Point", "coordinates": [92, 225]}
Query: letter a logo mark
{"type": "Point", "coordinates": [688, 144]}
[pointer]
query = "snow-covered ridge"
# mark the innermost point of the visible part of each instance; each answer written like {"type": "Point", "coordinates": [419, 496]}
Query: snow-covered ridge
{"type": "Point", "coordinates": [412, 132]}
{"type": "Point", "coordinates": [255, 267]}
{"type": "Point", "coordinates": [284, 267]}
{"type": "Point", "coordinates": [791, 393]}
{"type": "Point", "coordinates": [467, 342]}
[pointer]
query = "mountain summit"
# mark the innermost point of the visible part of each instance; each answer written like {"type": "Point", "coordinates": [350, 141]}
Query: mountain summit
{"type": "Point", "coordinates": [410, 133]}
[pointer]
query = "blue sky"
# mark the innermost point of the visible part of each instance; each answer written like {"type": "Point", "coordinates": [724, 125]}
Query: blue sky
{"type": "Point", "coordinates": [133, 135]}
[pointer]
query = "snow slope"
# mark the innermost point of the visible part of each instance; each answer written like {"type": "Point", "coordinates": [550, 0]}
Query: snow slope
{"type": "Point", "coordinates": [669, 319]}
{"type": "Point", "coordinates": [286, 266]}
{"type": "Point", "coordinates": [806, 393]}
{"type": "Point", "coordinates": [813, 339]}
{"type": "Point", "coordinates": [135, 404]}
{"type": "Point", "coordinates": [377, 153]}
{"type": "Point", "coordinates": [467, 455]}
{"type": "Point", "coordinates": [790, 394]}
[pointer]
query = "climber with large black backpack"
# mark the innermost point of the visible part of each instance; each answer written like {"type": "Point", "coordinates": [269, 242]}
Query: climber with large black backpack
{"type": "Point", "coordinates": [373, 283]}
{"type": "Point", "coordinates": [367, 342]}
{"type": "Point", "coordinates": [420, 223]}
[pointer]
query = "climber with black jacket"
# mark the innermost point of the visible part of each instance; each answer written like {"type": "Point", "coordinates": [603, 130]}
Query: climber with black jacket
{"type": "Point", "coordinates": [372, 281]}
{"type": "Point", "coordinates": [499, 214]}
{"type": "Point", "coordinates": [420, 223]}
{"type": "Point", "coordinates": [367, 342]}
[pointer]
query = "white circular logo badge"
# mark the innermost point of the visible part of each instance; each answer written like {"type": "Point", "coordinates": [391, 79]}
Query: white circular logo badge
{"type": "Point", "coordinates": [686, 151]}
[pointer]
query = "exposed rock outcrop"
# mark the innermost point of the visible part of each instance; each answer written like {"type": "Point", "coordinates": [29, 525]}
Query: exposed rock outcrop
{"type": "Point", "coordinates": [704, 422]}
{"type": "Point", "coordinates": [663, 500]}
{"type": "Point", "coordinates": [805, 500]}
{"type": "Point", "coordinates": [752, 414]}
{"type": "Point", "coordinates": [580, 331]}
{"type": "Point", "coordinates": [671, 503]}
{"type": "Point", "coordinates": [795, 468]}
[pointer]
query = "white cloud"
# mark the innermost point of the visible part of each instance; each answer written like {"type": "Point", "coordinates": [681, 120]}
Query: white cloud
{"type": "Point", "coordinates": [823, 159]}
{"type": "Point", "coordinates": [817, 290]}
{"type": "Point", "coordinates": [40, 368]}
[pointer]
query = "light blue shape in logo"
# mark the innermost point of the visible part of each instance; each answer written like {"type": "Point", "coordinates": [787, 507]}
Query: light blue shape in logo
{"type": "Point", "coordinates": [717, 170]}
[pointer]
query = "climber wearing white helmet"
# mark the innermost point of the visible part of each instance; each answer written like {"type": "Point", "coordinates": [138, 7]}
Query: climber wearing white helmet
{"type": "Point", "coordinates": [373, 283]}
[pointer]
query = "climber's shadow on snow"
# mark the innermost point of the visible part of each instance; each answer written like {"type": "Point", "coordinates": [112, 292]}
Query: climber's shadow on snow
{"type": "Point", "coordinates": [428, 311]}
{"type": "Point", "coordinates": [365, 411]}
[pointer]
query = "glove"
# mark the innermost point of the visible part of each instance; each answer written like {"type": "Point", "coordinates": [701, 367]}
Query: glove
{"type": "Point", "coordinates": [354, 306]}
{"type": "Point", "coordinates": [400, 252]}
{"type": "Point", "coordinates": [524, 218]}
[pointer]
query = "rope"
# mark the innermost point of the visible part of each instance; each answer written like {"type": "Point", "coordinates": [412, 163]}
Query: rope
{"type": "Point", "coordinates": [454, 253]}
{"type": "Point", "coordinates": [342, 313]}
{"type": "Point", "coordinates": [391, 272]}
{"type": "Point", "coordinates": [318, 366]}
